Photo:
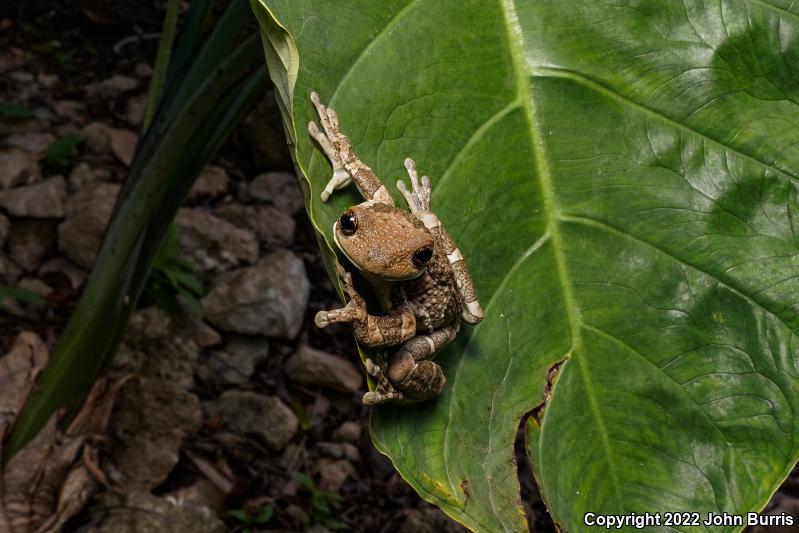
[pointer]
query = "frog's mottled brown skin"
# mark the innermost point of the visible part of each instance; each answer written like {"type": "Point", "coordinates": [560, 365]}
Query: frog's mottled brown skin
{"type": "Point", "coordinates": [417, 270]}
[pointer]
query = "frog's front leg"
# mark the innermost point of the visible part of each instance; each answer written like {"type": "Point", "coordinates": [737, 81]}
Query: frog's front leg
{"type": "Point", "coordinates": [419, 203]}
{"type": "Point", "coordinates": [411, 375]}
{"type": "Point", "coordinates": [370, 330]}
{"type": "Point", "coordinates": [346, 165]}
{"type": "Point", "coordinates": [355, 309]}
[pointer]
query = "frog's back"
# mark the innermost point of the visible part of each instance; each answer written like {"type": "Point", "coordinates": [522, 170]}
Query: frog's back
{"type": "Point", "coordinates": [434, 295]}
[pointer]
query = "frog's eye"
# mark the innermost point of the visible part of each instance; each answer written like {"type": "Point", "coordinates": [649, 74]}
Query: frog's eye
{"type": "Point", "coordinates": [422, 256]}
{"type": "Point", "coordinates": [348, 223]}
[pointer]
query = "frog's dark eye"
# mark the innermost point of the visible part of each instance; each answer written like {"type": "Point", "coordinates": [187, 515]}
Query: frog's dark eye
{"type": "Point", "coordinates": [348, 223]}
{"type": "Point", "coordinates": [422, 256]}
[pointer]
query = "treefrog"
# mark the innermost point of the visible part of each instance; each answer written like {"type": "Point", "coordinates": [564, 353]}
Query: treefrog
{"type": "Point", "coordinates": [416, 269]}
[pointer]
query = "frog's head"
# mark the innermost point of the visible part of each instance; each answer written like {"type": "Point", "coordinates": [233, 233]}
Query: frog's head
{"type": "Point", "coordinates": [384, 241]}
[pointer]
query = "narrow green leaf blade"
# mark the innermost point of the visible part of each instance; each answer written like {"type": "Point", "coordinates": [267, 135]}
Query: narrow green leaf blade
{"type": "Point", "coordinates": [162, 61]}
{"type": "Point", "coordinates": [190, 32]}
{"type": "Point", "coordinates": [22, 295]}
{"type": "Point", "coordinates": [622, 182]}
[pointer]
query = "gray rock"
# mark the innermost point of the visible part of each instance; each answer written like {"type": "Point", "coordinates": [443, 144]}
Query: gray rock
{"type": "Point", "coordinates": [143, 70]}
{"type": "Point", "coordinates": [205, 493]}
{"type": "Point", "coordinates": [13, 58]}
{"type": "Point", "coordinates": [134, 109]}
{"type": "Point", "coordinates": [349, 431]}
{"type": "Point", "coordinates": [30, 241]}
{"type": "Point", "coordinates": [17, 167]}
{"type": "Point", "coordinates": [235, 364]}
{"type": "Point", "coordinates": [88, 212]}
{"type": "Point", "coordinates": [112, 87]}
{"type": "Point", "coordinates": [315, 367]}
{"type": "Point", "coordinates": [33, 142]}
{"type": "Point", "coordinates": [83, 174]}
{"type": "Point", "coordinates": [266, 417]}
{"type": "Point", "coordinates": [212, 182]}
{"type": "Point", "coordinates": [204, 336]}
{"type": "Point", "coordinates": [70, 109]}
{"type": "Point", "coordinates": [278, 188]}
{"type": "Point", "coordinates": [151, 419]}
{"type": "Point", "coordinates": [142, 512]}
{"type": "Point", "coordinates": [9, 270]}
{"type": "Point", "coordinates": [36, 286]}
{"type": "Point", "coordinates": [5, 224]}
{"type": "Point", "coordinates": [95, 138]}
{"type": "Point", "coordinates": [225, 369]}
{"type": "Point", "coordinates": [155, 346]}
{"type": "Point", "coordinates": [273, 227]}
{"type": "Point", "coordinates": [339, 450]}
{"type": "Point", "coordinates": [266, 299]}
{"type": "Point", "coordinates": [333, 473]}
{"type": "Point", "coordinates": [427, 520]}
{"type": "Point", "coordinates": [214, 244]}
{"type": "Point", "coordinates": [21, 77]}
{"type": "Point", "coordinates": [149, 324]}
{"type": "Point", "coordinates": [40, 200]}
{"type": "Point", "coordinates": [48, 81]}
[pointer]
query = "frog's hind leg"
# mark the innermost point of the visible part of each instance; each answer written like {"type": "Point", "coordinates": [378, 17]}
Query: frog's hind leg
{"type": "Point", "coordinates": [384, 391]}
{"type": "Point", "coordinates": [347, 166]}
{"type": "Point", "coordinates": [419, 203]}
{"type": "Point", "coordinates": [411, 375]}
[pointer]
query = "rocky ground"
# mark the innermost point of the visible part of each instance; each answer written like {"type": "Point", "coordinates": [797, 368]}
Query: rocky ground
{"type": "Point", "coordinates": [248, 418]}
{"type": "Point", "coordinates": [248, 413]}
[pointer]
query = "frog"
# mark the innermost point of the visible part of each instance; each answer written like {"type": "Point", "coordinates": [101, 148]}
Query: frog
{"type": "Point", "coordinates": [416, 270]}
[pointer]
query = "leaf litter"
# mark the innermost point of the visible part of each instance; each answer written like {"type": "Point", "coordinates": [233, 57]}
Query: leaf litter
{"type": "Point", "coordinates": [51, 479]}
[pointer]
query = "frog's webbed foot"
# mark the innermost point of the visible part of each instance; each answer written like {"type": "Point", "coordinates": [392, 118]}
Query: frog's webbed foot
{"type": "Point", "coordinates": [419, 197]}
{"type": "Point", "coordinates": [385, 391]}
{"type": "Point", "coordinates": [328, 141]}
{"type": "Point", "coordinates": [378, 373]}
{"type": "Point", "coordinates": [355, 310]}
{"type": "Point", "coordinates": [351, 312]}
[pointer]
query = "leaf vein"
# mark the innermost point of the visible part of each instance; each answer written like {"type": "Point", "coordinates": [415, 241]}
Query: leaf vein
{"type": "Point", "coordinates": [599, 224]}
{"type": "Point", "coordinates": [365, 52]}
{"type": "Point", "coordinates": [556, 72]}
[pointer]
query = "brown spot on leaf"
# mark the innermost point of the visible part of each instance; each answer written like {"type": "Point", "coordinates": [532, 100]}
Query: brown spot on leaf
{"type": "Point", "coordinates": [465, 489]}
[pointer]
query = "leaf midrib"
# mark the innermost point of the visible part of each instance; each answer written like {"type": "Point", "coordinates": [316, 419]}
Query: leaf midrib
{"type": "Point", "coordinates": [551, 213]}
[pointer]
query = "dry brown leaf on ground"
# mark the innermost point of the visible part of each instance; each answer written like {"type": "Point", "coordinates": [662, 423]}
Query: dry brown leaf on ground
{"type": "Point", "coordinates": [123, 144]}
{"type": "Point", "coordinates": [18, 370]}
{"type": "Point", "coordinates": [50, 479]}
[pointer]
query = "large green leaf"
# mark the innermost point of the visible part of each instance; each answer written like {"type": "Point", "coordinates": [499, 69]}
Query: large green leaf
{"type": "Point", "coordinates": [621, 177]}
